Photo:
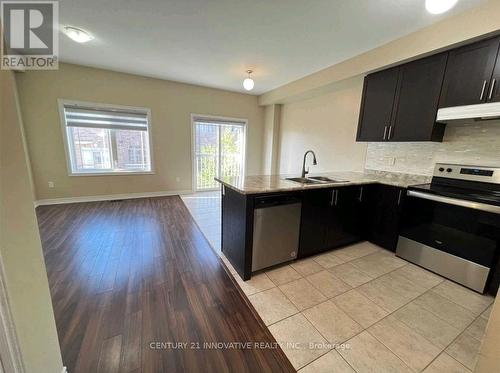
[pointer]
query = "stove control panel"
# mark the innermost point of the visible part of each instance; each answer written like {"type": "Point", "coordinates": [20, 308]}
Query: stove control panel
{"type": "Point", "coordinates": [466, 172]}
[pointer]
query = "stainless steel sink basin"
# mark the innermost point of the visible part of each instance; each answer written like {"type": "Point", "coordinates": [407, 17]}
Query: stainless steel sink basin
{"type": "Point", "coordinates": [324, 179]}
{"type": "Point", "coordinates": [315, 180]}
{"type": "Point", "coordinates": [304, 180]}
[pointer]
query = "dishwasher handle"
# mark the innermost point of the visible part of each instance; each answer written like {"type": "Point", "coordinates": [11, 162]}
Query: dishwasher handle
{"type": "Point", "coordinates": [276, 200]}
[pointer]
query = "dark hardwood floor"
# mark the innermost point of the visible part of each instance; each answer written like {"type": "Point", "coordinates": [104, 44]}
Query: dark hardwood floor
{"type": "Point", "coordinates": [129, 273]}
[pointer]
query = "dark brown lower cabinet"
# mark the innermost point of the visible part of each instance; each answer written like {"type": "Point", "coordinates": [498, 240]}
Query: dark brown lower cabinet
{"type": "Point", "coordinates": [237, 230]}
{"type": "Point", "coordinates": [315, 212]}
{"type": "Point", "coordinates": [330, 218]}
{"type": "Point", "coordinates": [383, 212]}
{"type": "Point", "coordinates": [344, 225]}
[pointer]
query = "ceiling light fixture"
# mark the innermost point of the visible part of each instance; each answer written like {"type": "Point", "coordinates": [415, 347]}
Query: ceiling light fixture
{"type": "Point", "coordinates": [439, 6]}
{"type": "Point", "coordinates": [77, 34]}
{"type": "Point", "coordinates": [248, 83]}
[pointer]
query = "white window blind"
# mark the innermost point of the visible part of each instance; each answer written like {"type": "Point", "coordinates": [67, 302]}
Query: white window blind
{"type": "Point", "coordinates": [109, 119]}
{"type": "Point", "coordinates": [105, 139]}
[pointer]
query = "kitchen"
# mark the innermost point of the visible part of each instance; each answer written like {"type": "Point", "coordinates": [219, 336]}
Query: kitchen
{"type": "Point", "coordinates": [427, 114]}
{"type": "Point", "coordinates": [414, 101]}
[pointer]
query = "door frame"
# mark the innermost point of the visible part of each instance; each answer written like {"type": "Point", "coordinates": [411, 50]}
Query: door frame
{"type": "Point", "coordinates": [10, 352]}
{"type": "Point", "coordinates": [194, 118]}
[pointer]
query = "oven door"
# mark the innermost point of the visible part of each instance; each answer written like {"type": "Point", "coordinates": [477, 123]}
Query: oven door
{"type": "Point", "coordinates": [452, 237]}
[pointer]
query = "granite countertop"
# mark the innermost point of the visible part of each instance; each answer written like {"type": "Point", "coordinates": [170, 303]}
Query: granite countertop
{"type": "Point", "coordinates": [278, 183]}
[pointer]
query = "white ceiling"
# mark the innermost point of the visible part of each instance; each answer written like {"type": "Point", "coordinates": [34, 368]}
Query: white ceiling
{"type": "Point", "coordinates": [213, 42]}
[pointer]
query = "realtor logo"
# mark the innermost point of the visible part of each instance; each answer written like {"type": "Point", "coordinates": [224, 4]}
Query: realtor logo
{"type": "Point", "coordinates": [30, 39]}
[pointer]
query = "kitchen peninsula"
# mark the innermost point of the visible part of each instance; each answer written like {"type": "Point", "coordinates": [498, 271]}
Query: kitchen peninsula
{"type": "Point", "coordinates": [267, 220]}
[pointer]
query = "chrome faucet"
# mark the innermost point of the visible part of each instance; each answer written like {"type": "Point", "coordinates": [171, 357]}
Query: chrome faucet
{"type": "Point", "coordinates": [304, 171]}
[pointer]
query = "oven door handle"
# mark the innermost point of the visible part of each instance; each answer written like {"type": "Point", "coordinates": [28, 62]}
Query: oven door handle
{"type": "Point", "coordinates": [457, 202]}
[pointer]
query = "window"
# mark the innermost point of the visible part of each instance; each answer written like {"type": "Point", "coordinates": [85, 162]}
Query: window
{"type": "Point", "coordinates": [135, 154]}
{"type": "Point", "coordinates": [104, 139]}
{"type": "Point", "coordinates": [219, 150]}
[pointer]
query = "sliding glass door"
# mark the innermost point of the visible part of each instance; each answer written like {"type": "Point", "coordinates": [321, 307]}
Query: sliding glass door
{"type": "Point", "coordinates": [219, 151]}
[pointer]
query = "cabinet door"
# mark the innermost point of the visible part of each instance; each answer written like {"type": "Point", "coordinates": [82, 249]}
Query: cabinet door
{"type": "Point", "coordinates": [384, 216]}
{"type": "Point", "coordinates": [468, 73]}
{"type": "Point", "coordinates": [334, 235]}
{"type": "Point", "coordinates": [494, 89]}
{"type": "Point", "coordinates": [345, 224]}
{"type": "Point", "coordinates": [376, 106]}
{"type": "Point", "coordinates": [315, 209]}
{"type": "Point", "coordinates": [417, 98]}
{"type": "Point", "coordinates": [351, 206]}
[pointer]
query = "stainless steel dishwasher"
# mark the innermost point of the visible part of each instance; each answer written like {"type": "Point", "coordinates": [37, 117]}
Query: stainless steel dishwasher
{"type": "Point", "coordinates": [276, 228]}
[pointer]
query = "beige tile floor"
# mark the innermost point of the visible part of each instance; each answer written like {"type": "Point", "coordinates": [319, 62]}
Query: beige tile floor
{"type": "Point", "coordinates": [362, 309]}
{"type": "Point", "coordinates": [205, 208]}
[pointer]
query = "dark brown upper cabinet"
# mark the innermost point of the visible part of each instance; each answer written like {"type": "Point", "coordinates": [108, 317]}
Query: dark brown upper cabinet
{"type": "Point", "coordinates": [417, 99]}
{"type": "Point", "coordinates": [494, 89]}
{"type": "Point", "coordinates": [400, 104]}
{"type": "Point", "coordinates": [471, 76]}
{"type": "Point", "coordinates": [379, 91]}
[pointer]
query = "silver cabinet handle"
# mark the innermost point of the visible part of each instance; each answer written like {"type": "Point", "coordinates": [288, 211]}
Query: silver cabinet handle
{"type": "Point", "coordinates": [399, 197]}
{"type": "Point", "coordinates": [390, 133]}
{"type": "Point", "coordinates": [361, 194]}
{"type": "Point", "coordinates": [492, 88]}
{"type": "Point", "coordinates": [331, 199]}
{"type": "Point", "coordinates": [456, 202]}
{"type": "Point", "coordinates": [385, 131]}
{"type": "Point", "coordinates": [483, 89]}
{"type": "Point", "coordinates": [336, 197]}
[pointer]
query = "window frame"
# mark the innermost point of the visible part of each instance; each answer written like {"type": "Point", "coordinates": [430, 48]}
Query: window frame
{"type": "Point", "coordinates": [68, 147]}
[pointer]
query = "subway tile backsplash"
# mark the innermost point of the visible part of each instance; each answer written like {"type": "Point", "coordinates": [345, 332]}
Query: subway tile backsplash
{"type": "Point", "coordinates": [476, 143]}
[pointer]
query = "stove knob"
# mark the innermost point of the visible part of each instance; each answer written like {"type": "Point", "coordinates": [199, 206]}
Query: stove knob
{"type": "Point", "coordinates": [441, 169]}
{"type": "Point", "coordinates": [449, 170]}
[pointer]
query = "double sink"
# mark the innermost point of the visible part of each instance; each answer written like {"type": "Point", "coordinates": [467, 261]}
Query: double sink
{"type": "Point", "coordinates": [315, 180]}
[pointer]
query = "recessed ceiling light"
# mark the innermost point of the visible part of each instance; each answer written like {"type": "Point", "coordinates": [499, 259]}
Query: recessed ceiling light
{"type": "Point", "coordinates": [77, 34]}
{"type": "Point", "coordinates": [439, 6]}
{"type": "Point", "coordinates": [248, 83]}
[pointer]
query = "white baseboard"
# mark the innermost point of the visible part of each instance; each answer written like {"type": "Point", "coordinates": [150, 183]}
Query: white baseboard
{"type": "Point", "coordinates": [108, 197]}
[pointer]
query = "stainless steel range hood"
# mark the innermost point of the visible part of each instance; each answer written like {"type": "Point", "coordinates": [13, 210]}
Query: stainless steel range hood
{"type": "Point", "coordinates": [478, 112]}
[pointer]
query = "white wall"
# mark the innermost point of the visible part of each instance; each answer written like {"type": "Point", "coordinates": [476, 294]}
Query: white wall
{"type": "Point", "coordinates": [326, 124]}
{"type": "Point", "coordinates": [171, 107]}
{"type": "Point", "coordinates": [26, 282]}
{"type": "Point", "coordinates": [270, 145]}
